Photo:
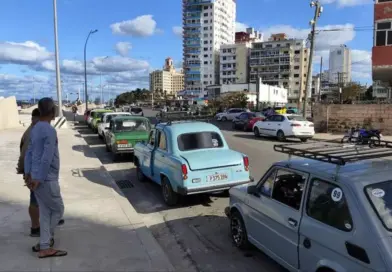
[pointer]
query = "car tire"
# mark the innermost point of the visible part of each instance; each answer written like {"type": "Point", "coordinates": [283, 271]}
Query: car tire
{"type": "Point", "coordinates": [139, 174]}
{"type": "Point", "coordinates": [238, 233]}
{"type": "Point", "coordinates": [233, 125]}
{"type": "Point", "coordinates": [374, 141]}
{"type": "Point", "coordinates": [304, 140]}
{"type": "Point", "coordinates": [224, 119]}
{"type": "Point", "coordinates": [256, 132]}
{"type": "Point", "coordinates": [169, 196]}
{"type": "Point", "coordinates": [245, 128]}
{"type": "Point", "coordinates": [280, 136]}
{"type": "Point", "coordinates": [115, 157]}
{"type": "Point", "coordinates": [107, 148]}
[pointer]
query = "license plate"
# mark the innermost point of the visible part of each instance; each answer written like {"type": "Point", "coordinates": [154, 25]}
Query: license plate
{"type": "Point", "coordinates": [217, 177]}
{"type": "Point", "coordinates": [124, 145]}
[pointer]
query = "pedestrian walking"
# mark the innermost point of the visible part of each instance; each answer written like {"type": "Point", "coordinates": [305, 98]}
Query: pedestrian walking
{"type": "Point", "coordinates": [42, 164]}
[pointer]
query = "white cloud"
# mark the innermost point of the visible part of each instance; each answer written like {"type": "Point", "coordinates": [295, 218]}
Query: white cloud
{"type": "Point", "coordinates": [122, 48]}
{"type": "Point", "coordinates": [347, 3]}
{"type": "Point", "coordinates": [28, 53]}
{"type": "Point", "coordinates": [324, 39]}
{"type": "Point", "coordinates": [239, 27]}
{"type": "Point", "coordinates": [177, 30]}
{"type": "Point", "coordinates": [361, 64]}
{"type": "Point", "coordinates": [141, 26]}
{"type": "Point", "coordinates": [119, 64]}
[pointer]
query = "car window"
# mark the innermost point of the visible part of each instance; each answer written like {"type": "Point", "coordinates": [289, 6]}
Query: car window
{"type": "Point", "coordinates": [151, 138]}
{"type": "Point", "coordinates": [268, 183]}
{"type": "Point", "coordinates": [199, 140]}
{"type": "Point", "coordinates": [327, 204]}
{"type": "Point", "coordinates": [243, 116]}
{"type": "Point", "coordinates": [162, 140]}
{"type": "Point", "coordinates": [231, 111]}
{"type": "Point", "coordinates": [136, 110]}
{"type": "Point", "coordinates": [288, 188]}
{"type": "Point", "coordinates": [278, 118]}
{"type": "Point", "coordinates": [296, 118]}
{"type": "Point", "coordinates": [129, 125]}
{"type": "Point", "coordinates": [379, 195]}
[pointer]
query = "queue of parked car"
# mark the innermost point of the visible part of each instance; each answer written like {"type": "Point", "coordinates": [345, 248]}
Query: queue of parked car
{"type": "Point", "coordinates": [329, 211]}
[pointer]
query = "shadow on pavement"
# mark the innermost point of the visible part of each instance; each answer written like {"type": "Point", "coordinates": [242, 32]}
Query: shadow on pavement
{"type": "Point", "coordinates": [85, 149]}
{"type": "Point", "coordinates": [93, 243]}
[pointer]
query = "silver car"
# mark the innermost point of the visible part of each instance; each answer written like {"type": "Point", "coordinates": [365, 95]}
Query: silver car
{"type": "Point", "coordinates": [329, 211]}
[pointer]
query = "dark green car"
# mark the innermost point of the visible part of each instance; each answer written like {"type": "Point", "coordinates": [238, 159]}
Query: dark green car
{"type": "Point", "coordinates": [124, 132]}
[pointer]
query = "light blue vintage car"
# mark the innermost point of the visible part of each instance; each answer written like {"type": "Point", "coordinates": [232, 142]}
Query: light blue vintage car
{"type": "Point", "coordinates": [189, 158]}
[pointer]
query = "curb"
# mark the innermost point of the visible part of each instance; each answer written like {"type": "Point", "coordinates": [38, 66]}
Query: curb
{"type": "Point", "coordinates": [152, 247]}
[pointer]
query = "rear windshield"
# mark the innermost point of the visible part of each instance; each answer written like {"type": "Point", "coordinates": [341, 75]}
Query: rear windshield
{"type": "Point", "coordinates": [380, 197]}
{"type": "Point", "coordinates": [136, 110]}
{"type": "Point", "coordinates": [257, 114]}
{"type": "Point", "coordinates": [123, 125]}
{"type": "Point", "coordinates": [296, 118]}
{"type": "Point", "coordinates": [199, 140]}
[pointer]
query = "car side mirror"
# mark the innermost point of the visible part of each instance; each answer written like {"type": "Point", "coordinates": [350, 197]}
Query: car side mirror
{"type": "Point", "coordinates": [252, 190]}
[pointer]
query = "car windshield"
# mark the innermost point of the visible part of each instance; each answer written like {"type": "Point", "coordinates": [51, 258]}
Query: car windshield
{"type": "Point", "coordinates": [199, 140]}
{"type": "Point", "coordinates": [380, 197]}
{"type": "Point", "coordinates": [257, 114]}
{"type": "Point", "coordinates": [136, 110]}
{"type": "Point", "coordinates": [295, 118]}
{"type": "Point", "coordinates": [127, 125]}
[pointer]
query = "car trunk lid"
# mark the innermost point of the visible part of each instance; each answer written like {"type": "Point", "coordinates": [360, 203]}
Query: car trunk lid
{"type": "Point", "coordinates": [204, 159]}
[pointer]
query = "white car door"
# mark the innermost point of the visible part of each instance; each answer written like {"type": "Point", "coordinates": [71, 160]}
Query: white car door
{"type": "Point", "coordinates": [263, 126]}
{"type": "Point", "coordinates": [277, 124]}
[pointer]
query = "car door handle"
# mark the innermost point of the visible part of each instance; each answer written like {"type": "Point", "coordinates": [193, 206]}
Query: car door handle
{"type": "Point", "coordinates": [292, 222]}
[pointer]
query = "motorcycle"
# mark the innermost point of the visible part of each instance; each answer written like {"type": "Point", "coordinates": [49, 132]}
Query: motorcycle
{"type": "Point", "coordinates": [362, 136]}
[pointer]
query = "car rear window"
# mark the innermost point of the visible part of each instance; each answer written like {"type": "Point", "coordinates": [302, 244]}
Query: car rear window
{"type": "Point", "coordinates": [127, 125]}
{"type": "Point", "coordinates": [199, 140]}
{"type": "Point", "coordinates": [136, 110]}
{"type": "Point", "coordinates": [380, 197]}
{"type": "Point", "coordinates": [296, 118]}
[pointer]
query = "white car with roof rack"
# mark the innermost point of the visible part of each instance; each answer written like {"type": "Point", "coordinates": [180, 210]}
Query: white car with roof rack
{"type": "Point", "coordinates": [285, 126]}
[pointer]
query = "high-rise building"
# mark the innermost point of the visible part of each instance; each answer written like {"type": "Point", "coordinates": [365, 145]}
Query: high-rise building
{"type": "Point", "coordinates": [340, 65]}
{"type": "Point", "coordinates": [382, 46]}
{"type": "Point", "coordinates": [167, 81]}
{"type": "Point", "coordinates": [234, 65]}
{"type": "Point", "coordinates": [281, 62]}
{"type": "Point", "coordinates": [248, 36]}
{"type": "Point", "coordinates": [207, 24]}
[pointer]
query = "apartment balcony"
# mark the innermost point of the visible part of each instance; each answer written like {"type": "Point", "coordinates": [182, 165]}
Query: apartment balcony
{"type": "Point", "coordinates": [192, 72]}
{"type": "Point", "coordinates": [382, 63]}
{"type": "Point", "coordinates": [192, 25]}
{"type": "Point", "coordinates": [192, 65]}
{"type": "Point", "coordinates": [197, 3]}
{"type": "Point", "coordinates": [265, 72]}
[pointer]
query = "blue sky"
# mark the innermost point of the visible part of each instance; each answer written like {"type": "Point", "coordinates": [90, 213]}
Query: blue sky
{"type": "Point", "coordinates": [136, 37]}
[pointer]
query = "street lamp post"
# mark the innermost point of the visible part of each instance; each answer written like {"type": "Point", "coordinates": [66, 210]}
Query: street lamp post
{"type": "Point", "coordinates": [58, 82]}
{"type": "Point", "coordinates": [85, 66]}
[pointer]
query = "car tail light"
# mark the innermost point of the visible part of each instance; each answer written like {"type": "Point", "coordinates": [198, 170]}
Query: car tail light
{"type": "Point", "coordinates": [122, 142]}
{"type": "Point", "coordinates": [295, 125]}
{"type": "Point", "coordinates": [246, 163]}
{"type": "Point", "coordinates": [184, 170]}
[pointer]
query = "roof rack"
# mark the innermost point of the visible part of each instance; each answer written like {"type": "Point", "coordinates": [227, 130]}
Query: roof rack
{"type": "Point", "coordinates": [338, 154]}
{"type": "Point", "coordinates": [170, 118]}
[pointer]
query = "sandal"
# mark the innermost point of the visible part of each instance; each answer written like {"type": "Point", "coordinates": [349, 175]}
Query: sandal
{"type": "Point", "coordinates": [56, 253]}
{"type": "Point", "coordinates": [36, 248]}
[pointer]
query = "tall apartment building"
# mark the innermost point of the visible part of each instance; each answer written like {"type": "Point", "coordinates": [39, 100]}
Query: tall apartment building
{"type": "Point", "coordinates": [234, 63]}
{"type": "Point", "coordinates": [281, 62]}
{"type": "Point", "coordinates": [207, 24]}
{"type": "Point", "coordinates": [340, 65]}
{"type": "Point", "coordinates": [167, 80]}
{"type": "Point", "coordinates": [382, 46]}
{"type": "Point", "coordinates": [248, 36]}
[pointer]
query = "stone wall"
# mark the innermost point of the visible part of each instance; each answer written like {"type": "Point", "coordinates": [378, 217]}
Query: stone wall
{"type": "Point", "coordinates": [9, 116]}
{"type": "Point", "coordinates": [341, 117]}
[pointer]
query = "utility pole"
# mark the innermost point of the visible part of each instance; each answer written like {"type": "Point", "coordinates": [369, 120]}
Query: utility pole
{"type": "Point", "coordinates": [56, 48]}
{"type": "Point", "coordinates": [258, 82]}
{"type": "Point", "coordinates": [313, 22]}
{"type": "Point", "coordinates": [321, 72]}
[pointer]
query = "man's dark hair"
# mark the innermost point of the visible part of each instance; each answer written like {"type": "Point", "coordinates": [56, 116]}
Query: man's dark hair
{"type": "Point", "coordinates": [35, 113]}
{"type": "Point", "coordinates": [46, 107]}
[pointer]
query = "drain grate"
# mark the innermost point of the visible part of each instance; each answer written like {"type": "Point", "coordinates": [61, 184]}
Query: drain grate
{"type": "Point", "coordinates": [124, 184]}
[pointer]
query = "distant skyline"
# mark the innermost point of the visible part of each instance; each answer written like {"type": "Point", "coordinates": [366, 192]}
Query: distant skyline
{"type": "Point", "coordinates": [138, 36]}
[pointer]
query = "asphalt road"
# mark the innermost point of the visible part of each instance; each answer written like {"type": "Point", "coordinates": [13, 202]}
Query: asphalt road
{"type": "Point", "coordinates": [195, 234]}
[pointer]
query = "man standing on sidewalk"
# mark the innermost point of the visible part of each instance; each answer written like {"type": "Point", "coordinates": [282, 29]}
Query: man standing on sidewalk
{"type": "Point", "coordinates": [42, 165]}
{"type": "Point", "coordinates": [24, 143]}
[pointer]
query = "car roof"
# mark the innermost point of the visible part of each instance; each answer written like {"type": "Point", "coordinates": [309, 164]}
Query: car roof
{"type": "Point", "coordinates": [182, 127]}
{"type": "Point", "coordinates": [120, 112]}
{"type": "Point", "coordinates": [361, 173]}
{"type": "Point", "coordinates": [130, 117]}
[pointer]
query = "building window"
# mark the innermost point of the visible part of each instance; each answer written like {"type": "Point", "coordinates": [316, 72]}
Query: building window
{"type": "Point", "coordinates": [384, 34]}
{"type": "Point", "coordinates": [296, 67]}
{"type": "Point", "coordinates": [296, 52]}
{"type": "Point", "coordinates": [296, 75]}
{"type": "Point", "coordinates": [206, 14]}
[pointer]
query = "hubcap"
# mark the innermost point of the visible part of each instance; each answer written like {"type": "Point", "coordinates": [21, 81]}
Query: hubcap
{"type": "Point", "coordinates": [236, 231]}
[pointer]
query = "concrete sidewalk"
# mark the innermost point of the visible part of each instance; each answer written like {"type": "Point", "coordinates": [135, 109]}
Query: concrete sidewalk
{"type": "Point", "coordinates": [102, 231]}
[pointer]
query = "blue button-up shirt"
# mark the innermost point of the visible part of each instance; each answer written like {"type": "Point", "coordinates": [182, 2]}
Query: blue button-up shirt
{"type": "Point", "coordinates": [42, 160]}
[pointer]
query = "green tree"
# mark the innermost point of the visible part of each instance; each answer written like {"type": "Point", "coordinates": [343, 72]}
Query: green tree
{"type": "Point", "coordinates": [235, 100]}
{"type": "Point", "coordinates": [352, 91]}
{"type": "Point", "coordinates": [369, 93]}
